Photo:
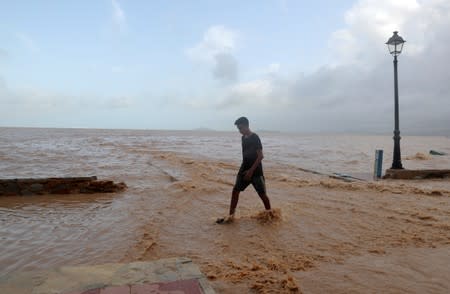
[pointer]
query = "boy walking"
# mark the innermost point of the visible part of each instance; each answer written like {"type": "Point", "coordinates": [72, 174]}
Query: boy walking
{"type": "Point", "coordinates": [251, 171]}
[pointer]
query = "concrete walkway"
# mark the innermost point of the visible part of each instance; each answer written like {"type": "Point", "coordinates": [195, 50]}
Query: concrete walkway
{"type": "Point", "coordinates": [173, 275]}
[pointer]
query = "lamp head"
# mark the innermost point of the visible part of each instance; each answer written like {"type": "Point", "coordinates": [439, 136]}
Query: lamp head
{"type": "Point", "coordinates": [395, 44]}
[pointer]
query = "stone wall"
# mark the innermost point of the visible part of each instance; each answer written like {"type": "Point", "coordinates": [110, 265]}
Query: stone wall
{"type": "Point", "coordinates": [83, 185]}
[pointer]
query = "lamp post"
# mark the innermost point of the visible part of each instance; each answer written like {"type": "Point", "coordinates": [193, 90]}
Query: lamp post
{"type": "Point", "coordinates": [395, 46]}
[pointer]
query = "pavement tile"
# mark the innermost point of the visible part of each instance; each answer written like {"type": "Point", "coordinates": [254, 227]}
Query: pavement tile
{"type": "Point", "coordinates": [175, 287]}
{"type": "Point", "coordinates": [165, 276]}
{"type": "Point", "coordinates": [116, 290]}
{"type": "Point", "coordinates": [92, 291]}
{"type": "Point", "coordinates": [145, 289]}
{"type": "Point", "coordinates": [188, 286]}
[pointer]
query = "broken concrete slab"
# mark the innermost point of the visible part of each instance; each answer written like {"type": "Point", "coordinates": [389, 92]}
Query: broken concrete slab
{"type": "Point", "coordinates": [407, 174]}
{"type": "Point", "coordinates": [66, 185]}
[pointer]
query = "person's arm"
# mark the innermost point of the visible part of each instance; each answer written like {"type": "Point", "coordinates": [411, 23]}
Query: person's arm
{"type": "Point", "coordinates": [250, 171]}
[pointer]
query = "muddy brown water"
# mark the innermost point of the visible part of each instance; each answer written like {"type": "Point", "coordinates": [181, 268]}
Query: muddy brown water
{"type": "Point", "coordinates": [328, 236]}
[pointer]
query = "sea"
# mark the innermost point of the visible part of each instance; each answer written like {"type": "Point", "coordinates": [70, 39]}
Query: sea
{"type": "Point", "coordinates": [43, 231]}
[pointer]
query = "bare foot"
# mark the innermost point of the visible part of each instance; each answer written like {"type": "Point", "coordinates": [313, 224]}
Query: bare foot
{"type": "Point", "coordinates": [225, 220]}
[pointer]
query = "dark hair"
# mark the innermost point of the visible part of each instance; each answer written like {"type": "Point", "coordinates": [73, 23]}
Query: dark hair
{"type": "Point", "coordinates": [242, 121]}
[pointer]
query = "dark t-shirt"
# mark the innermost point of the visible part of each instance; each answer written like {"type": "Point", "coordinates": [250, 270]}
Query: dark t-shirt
{"type": "Point", "coordinates": [249, 146]}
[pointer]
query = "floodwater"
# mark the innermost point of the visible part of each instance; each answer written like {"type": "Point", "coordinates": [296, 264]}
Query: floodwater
{"type": "Point", "coordinates": [326, 236]}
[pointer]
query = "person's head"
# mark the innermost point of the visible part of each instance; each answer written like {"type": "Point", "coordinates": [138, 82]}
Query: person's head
{"type": "Point", "coordinates": [243, 125]}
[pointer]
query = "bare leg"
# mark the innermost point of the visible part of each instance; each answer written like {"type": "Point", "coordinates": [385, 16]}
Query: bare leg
{"type": "Point", "coordinates": [265, 200]}
{"type": "Point", "coordinates": [233, 204]}
{"type": "Point", "coordinates": [234, 201]}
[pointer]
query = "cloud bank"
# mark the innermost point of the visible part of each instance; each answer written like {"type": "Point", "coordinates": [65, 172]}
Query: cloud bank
{"type": "Point", "coordinates": [354, 90]}
{"type": "Point", "coordinates": [215, 51]}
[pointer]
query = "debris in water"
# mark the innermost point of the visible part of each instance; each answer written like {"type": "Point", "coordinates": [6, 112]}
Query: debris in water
{"type": "Point", "coordinates": [434, 152]}
{"type": "Point", "coordinates": [418, 156]}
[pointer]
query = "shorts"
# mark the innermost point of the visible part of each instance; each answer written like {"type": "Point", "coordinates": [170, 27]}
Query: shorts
{"type": "Point", "coordinates": [258, 183]}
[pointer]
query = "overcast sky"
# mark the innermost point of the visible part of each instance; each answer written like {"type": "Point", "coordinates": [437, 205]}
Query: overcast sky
{"type": "Point", "coordinates": [307, 66]}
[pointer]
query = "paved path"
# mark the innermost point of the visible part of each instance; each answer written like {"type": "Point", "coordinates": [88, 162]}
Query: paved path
{"type": "Point", "coordinates": [173, 275]}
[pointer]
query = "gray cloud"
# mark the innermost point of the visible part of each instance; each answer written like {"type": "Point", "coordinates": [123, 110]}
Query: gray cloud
{"type": "Point", "coordinates": [216, 40]}
{"type": "Point", "coordinates": [352, 91]}
{"type": "Point", "coordinates": [349, 98]}
{"type": "Point", "coordinates": [33, 107]}
{"type": "Point", "coordinates": [226, 67]}
{"type": "Point", "coordinates": [358, 94]}
{"type": "Point", "coordinates": [216, 51]}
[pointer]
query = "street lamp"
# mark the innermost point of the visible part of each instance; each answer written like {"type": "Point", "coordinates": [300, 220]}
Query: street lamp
{"type": "Point", "coordinates": [395, 46]}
